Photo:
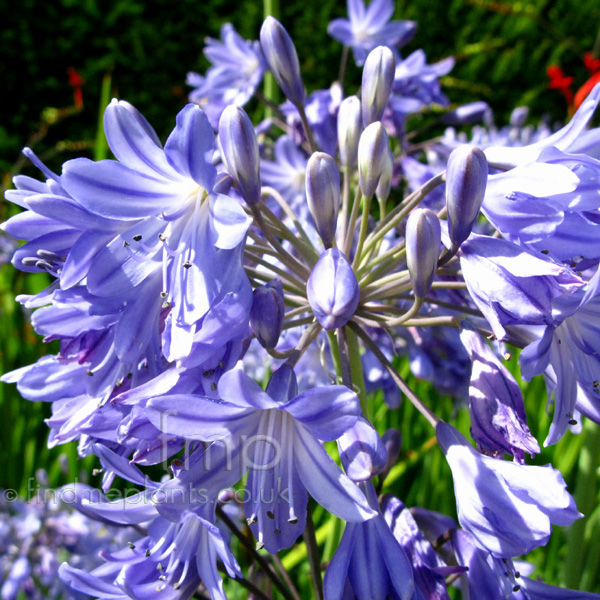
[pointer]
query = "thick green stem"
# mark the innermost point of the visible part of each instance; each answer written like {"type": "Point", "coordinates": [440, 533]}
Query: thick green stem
{"type": "Point", "coordinates": [358, 377]}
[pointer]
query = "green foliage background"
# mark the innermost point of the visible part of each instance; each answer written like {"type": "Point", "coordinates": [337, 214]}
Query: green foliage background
{"type": "Point", "coordinates": [502, 50]}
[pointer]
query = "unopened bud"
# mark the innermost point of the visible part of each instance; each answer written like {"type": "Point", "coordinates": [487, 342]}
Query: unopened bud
{"type": "Point", "coordinates": [373, 154]}
{"type": "Point", "coordinates": [332, 290]}
{"type": "Point", "coordinates": [385, 181]}
{"type": "Point", "coordinates": [240, 151]}
{"type": "Point", "coordinates": [423, 238]}
{"type": "Point", "coordinates": [282, 58]}
{"type": "Point", "coordinates": [349, 127]}
{"type": "Point", "coordinates": [466, 179]}
{"type": "Point", "coordinates": [377, 81]}
{"type": "Point", "coordinates": [323, 194]}
{"type": "Point", "coordinates": [362, 451]}
{"type": "Point", "coordinates": [267, 313]}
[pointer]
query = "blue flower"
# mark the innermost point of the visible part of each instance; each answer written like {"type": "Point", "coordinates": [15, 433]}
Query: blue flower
{"type": "Point", "coordinates": [512, 285]}
{"type": "Point", "coordinates": [370, 27]}
{"type": "Point", "coordinates": [281, 447]}
{"type": "Point", "coordinates": [182, 228]}
{"type": "Point", "coordinates": [237, 68]}
{"type": "Point", "coordinates": [498, 419]}
{"type": "Point", "coordinates": [569, 354]}
{"type": "Point", "coordinates": [369, 563]}
{"type": "Point", "coordinates": [507, 507]}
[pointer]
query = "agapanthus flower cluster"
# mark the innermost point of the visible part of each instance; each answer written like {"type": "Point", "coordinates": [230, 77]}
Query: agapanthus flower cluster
{"type": "Point", "coordinates": [226, 303]}
{"type": "Point", "coordinates": [37, 535]}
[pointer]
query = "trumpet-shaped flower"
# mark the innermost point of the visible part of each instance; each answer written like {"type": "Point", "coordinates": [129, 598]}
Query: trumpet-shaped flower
{"type": "Point", "coordinates": [370, 563]}
{"type": "Point", "coordinates": [369, 27]}
{"type": "Point", "coordinates": [282, 451]}
{"type": "Point", "coordinates": [507, 507]}
{"type": "Point", "coordinates": [181, 225]}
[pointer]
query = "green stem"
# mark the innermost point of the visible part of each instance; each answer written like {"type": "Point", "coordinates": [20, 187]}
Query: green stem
{"type": "Point", "coordinates": [358, 377]}
{"type": "Point", "coordinates": [364, 223]}
{"type": "Point", "coordinates": [431, 417]}
{"type": "Point", "coordinates": [313, 554]}
{"type": "Point", "coordinates": [101, 146]}
{"type": "Point", "coordinates": [270, 87]}
{"type": "Point", "coordinates": [307, 130]}
{"type": "Point", "coordinates": [352, 223]}
{"type": "Point", "coordinates": [402, 210]}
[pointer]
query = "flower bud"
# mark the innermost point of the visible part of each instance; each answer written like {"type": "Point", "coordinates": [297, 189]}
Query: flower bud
{"type": "Point", "coordinates": [362, 451]}
{"type": "Point", "coordinates": [466, 179]}
{"type": "Point", "coordinates": [332, 290]}
{"type": "Point", "coordinates": [373, 153]}
{"type": "Point", "coordinates": [423, 238]}
{"type": "Point", "coordinates": [240, 151]}
{"type": "Point", "coordinates": [377, 81]}
{"type": "Point", "coordinates": [349, 127]}
{"type": "Point", "coordinates": [323, 194]}
{"type": "Point", "coordinates": [282, 58]}
{"type": "Point", "coordinates": [267, 313]}
{"type": "Point", "coordinates": [385, 181]}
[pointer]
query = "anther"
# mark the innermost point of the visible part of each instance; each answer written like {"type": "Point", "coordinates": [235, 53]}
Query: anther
{"type": "Point", "coordinates": [187, 264]}
{"type": "Point", "coordinates": [277, 531]}
{"type": "Point", "coordinates": [260, 545]}
{"type": "Point", "coordinates": [251, 520]}
{"type": "Point", "coordinates": [516, 588]}
{"type": "Point", "coordinates": [213, 386]}
{"type": "Point", "coordinates": [164, 294]}
{"type": "Point", "coordinates": [162, 237]}
{"type": "Point", "coordinates": [293, 520]}
{"type": "Point", "coordinates": [131, 545]}
{"type": "Point", "coordinates": [89, 372]}
{"type": "Point", "coordinates": [159, 566]}
{"type": "Point", "coordinates": [270, 515]}
{"type": "Point", "coordinates": [572, 422]}
{"type": "Point", "coordinates": [125, 243]}
{"type": "Point", "coordinates": [166, 304]}
{"type": "Point", "coordinates": [137, 238]}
